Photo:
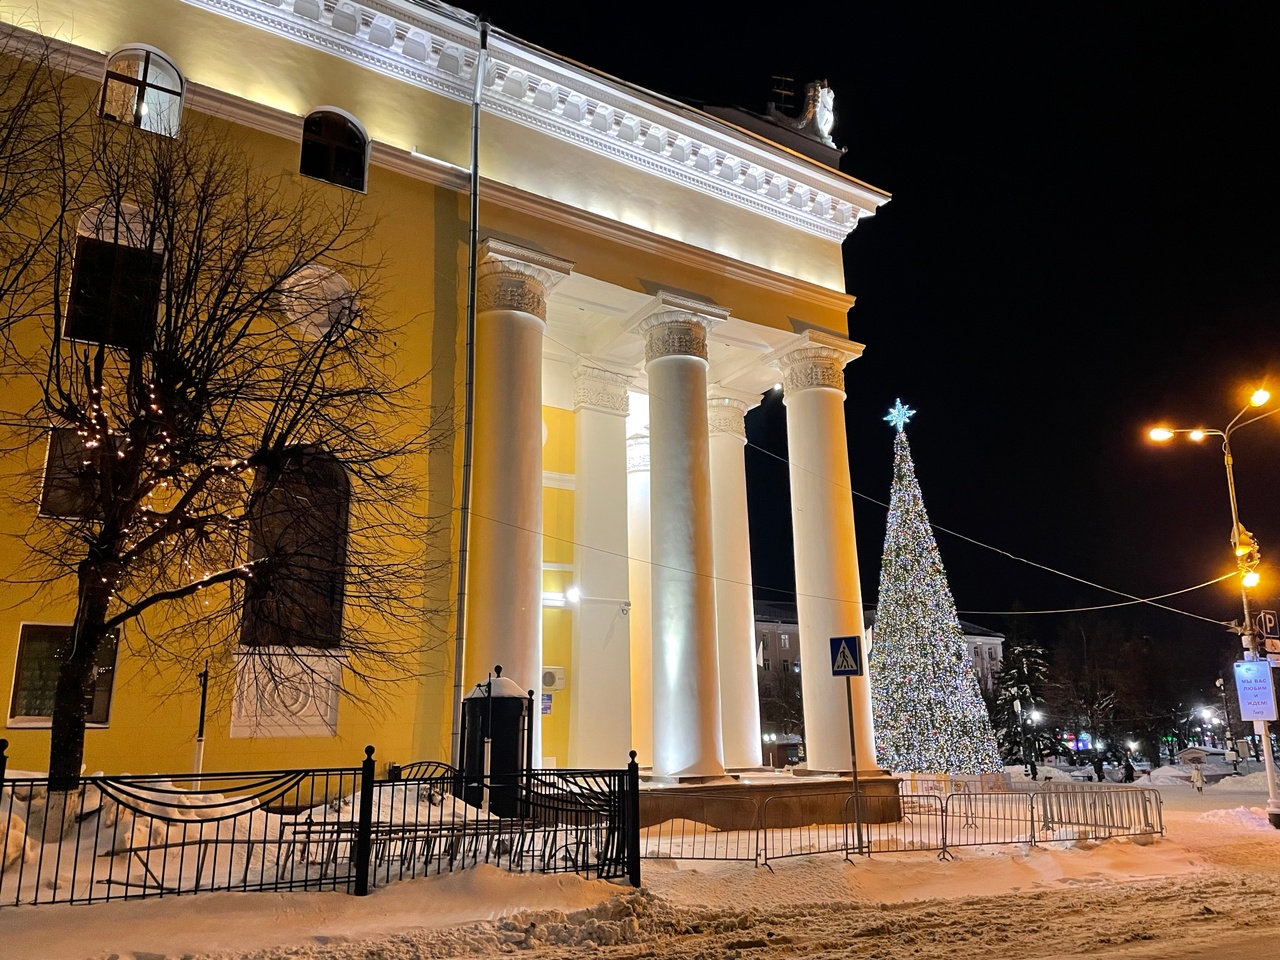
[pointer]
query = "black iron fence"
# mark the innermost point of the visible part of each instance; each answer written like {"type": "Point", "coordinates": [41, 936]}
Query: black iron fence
{"type": "Point", "coordinates": [570, 821]}
{"type": "Point", "coordinates": [124, 837]}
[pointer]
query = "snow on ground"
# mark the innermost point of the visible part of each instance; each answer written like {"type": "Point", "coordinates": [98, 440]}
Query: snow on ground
{"type": "Point", "coordinates": [1207, 892]}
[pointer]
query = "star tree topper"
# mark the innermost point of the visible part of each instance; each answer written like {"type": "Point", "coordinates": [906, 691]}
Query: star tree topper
{"type": "Point", "coordinates": [899, 415]}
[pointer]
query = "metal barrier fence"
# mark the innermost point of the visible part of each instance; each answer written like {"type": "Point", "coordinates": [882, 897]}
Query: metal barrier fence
{"type": "Point", "coordinates": [125, 837]}
{"type": "Point", "coordinates": [1126, 811]}
{"type": "Point", "coordinates": [794, 826]}
{"type": "Point", "coordinates": [925, 821]}
{"type": "Point", "coordinates": [693, 838]}
{"type": "Point", "coordinates": [982, 819]}
{"type": "Point", "coordinates": [921, 826]}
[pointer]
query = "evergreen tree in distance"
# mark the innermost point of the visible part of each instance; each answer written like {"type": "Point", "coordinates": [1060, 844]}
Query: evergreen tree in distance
{"type": "Point", "coordinates": [929, 715]}
{"type": "Point", "coordinates": [1020, 685]}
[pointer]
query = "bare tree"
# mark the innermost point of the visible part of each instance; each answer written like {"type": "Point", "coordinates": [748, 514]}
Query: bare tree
{"type": "Point", "coordinates": [780, 700]}
{"type": "Point", "coordinates": [230, 432]}
{"type": "Point", "coordinates": [37, 163]}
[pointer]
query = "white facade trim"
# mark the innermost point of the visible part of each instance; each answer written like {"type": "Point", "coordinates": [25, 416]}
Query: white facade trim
{"type": "Point", "coordinates": [275, 122]}
{"type": "Point", "coordinates": [543, 92]}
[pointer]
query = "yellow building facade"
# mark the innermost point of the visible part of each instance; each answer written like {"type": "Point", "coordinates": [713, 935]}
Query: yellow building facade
{"type": "Point", "coordinates": [645, 273]}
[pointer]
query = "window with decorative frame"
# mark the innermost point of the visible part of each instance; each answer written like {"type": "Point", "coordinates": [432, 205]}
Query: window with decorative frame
{"type": "Point", "coordinates": [142, 87]}
{"type": "Point", "coordinates": [41, 649]}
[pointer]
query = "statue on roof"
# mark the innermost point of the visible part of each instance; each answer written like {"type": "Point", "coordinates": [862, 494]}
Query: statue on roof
{"type": "Point", "coordinates": [817, 116]}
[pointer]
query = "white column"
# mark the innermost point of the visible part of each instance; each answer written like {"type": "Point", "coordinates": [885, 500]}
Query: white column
{"type": "Point", "coordinates": [828, 593]}
{"type": "Point", "coordinates": [641, 587]}
{"type": "Point", "coordinates": [686, 687]}
{"type": "Point", "coordinates": [600, 673]}
{"type": "Point", "coordinates": [735, 608]}
{"type": "Point", "coordinates": [504, 566]}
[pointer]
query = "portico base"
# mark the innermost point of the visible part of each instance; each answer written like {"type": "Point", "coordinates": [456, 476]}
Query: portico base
{"type": "Point", "coordinates": [770, 800]}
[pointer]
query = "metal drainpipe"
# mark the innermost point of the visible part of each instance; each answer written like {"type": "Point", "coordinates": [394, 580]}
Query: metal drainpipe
{"type": "Point", "coordinates": [464, 520]}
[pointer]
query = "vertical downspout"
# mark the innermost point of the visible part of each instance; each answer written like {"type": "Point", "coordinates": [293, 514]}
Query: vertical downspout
{"type": "Point", "coordinates": [464, 519]}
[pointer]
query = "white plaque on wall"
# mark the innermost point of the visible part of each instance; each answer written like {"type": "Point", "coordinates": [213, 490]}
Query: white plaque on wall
{"type": "Point", "coordinates": [283, 692]}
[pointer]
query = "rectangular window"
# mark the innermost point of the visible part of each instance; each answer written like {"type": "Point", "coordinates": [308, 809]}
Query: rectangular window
{"type": "Point", "coordinates": [786, 642]}
{"type": "Point", "coordinates": [41, 648]}
{"type": "Point", "coordinates": [786, 665]}
{"type": "Point", "coordinates": [70, 486]}
{"type": "Point", "coordinates": [115, 290]}
{"type": "Point", "coordinates": [766, 664]}
{"type": "Point", "coordinates": [298, 523]}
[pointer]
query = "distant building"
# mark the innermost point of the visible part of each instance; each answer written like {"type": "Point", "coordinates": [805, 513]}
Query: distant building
{"type": "Point", "coordinates": [778, 662]}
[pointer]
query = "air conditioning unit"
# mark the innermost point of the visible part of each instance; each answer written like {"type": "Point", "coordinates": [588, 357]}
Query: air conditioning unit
{"type": "Point", "coordinates": [552, 679]}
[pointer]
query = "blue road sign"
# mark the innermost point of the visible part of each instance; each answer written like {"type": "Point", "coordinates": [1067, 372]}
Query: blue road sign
{"type": "Point", "coordinates": [846, 656]}
{"type": "Point", "coordinates": [1269, 624]}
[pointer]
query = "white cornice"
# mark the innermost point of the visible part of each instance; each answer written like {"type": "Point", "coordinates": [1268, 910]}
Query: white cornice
{"type": "Point", "coordinates": [543, 92]}
{"type": "Point", "coordinates": [266, 119]}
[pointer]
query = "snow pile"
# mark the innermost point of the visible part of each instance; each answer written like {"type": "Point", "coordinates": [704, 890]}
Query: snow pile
{"type": "Point", "coordinates": [400, 803]}
{"type": "Point", "coordinates": [1240, 818]}
{"type": "Point", "coordinates": [1248, 783]}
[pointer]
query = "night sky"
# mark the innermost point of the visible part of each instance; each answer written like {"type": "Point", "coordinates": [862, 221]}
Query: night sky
{"type": "Point", "coordinates": [1081, 242]}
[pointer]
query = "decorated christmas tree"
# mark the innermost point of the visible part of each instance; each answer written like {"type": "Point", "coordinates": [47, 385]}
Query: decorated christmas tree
{"type": "Point", "coordinates": [929, 715]}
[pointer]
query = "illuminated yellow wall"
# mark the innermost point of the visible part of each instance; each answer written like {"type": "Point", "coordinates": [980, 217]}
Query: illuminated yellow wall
{"type": "Point", "coordinates": [557, 548]}
{"type": "Point", "coordinates": [421, 239]}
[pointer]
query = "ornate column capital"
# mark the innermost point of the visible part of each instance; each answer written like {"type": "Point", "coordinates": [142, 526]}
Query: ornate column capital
{"type": "Point", "coordinates": [509, 277]}
{"type": "Point", "coordinates": [675, 325]}
{"type": "Point", "coordinates": [596, 387]}
{"type": "Point", "coordinates": [726, 414]}
{"type": "Point", "coordinates": [813, 360]}
{"type": "Point", "coordinates": [637, 452]}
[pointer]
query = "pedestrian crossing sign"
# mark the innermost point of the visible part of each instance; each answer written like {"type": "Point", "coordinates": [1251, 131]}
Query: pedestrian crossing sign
{"type": "Point", "coordinates": [846, 656]}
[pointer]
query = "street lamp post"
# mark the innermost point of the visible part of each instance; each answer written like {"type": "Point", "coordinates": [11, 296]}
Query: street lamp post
{"type": "Point", "coordinates": [1028, 752]}
{"type": "Point", "coordinates": [1247, 556]}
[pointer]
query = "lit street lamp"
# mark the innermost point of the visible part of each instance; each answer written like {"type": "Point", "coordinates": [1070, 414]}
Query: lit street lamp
{"type": "Point", "coordinates": [1247, 555]}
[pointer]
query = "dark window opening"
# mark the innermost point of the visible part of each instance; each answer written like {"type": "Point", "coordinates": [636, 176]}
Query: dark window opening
{"type": "Point", "coordinates": [71, 482]}
{"type": "Point", "coordinates": [41, 650]}
{"type": "Point", "coordinates": [298, 529]}
{"type": "Point", "coordinates": [334, 150]}
{"type": "Point", "coordinates": [115, 291]}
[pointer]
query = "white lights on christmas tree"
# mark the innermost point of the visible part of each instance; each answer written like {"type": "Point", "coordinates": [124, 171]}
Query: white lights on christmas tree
{"type": "Point", "coordinates": [929, 715]}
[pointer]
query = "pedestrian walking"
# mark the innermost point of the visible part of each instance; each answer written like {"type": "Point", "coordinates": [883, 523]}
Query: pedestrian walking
{"type": "Point", "coordinates": [1197, 778]}
{"type": "Point", "coordinates": [1128, 770]}
{"type": "Point", "coordinates": [1097, 769]}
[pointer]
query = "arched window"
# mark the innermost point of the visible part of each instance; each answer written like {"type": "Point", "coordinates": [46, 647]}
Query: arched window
{"type": "Point", "coordinates": [298, 530]}
{"type": "Point", "coordinates": [335, 149]}
{"type": "Point", "coordinates": [144, 88]}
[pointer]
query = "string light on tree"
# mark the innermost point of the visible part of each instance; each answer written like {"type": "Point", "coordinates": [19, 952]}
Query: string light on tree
{"type": "Point", "coordinates": [929, 715]}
